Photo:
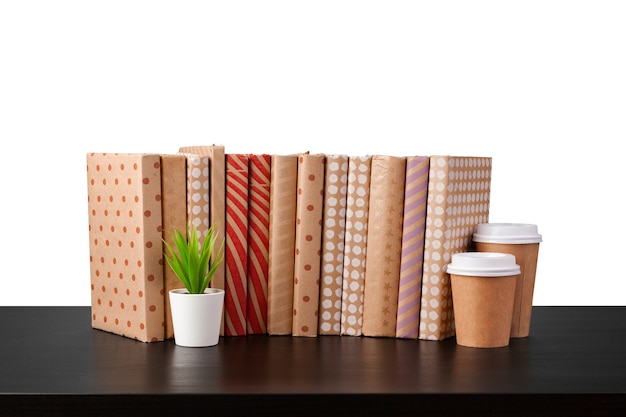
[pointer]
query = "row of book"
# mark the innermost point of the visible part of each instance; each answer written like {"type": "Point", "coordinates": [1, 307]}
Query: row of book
{"type": "Point", "coordinates": [315, 244]}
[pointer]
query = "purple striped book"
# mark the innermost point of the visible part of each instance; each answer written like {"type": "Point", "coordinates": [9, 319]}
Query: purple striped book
{"type": "Point", "coordinates": [412, 257]}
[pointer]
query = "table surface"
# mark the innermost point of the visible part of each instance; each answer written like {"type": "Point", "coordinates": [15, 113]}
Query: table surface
{"type": "Point", "coordinates": [574, 360]}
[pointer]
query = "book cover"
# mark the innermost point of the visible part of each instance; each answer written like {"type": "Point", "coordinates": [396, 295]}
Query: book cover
{"type": "Point", "coordinates": [306, 277]}
{"type": "Point", "coordinates": [125, 245]}
{"type": "Point", "coordinates": [174, 216]}
{"type": "Point", "coordinates": [458, 200]}
{"type": "Point", "coordinates": [258, 242]}
{"type": "Point", "coordinates": [412, 258]}
{"type": "Point", "coordinates": [333, 232]}
{"type": "Point", "coordinates": [384, 242]}
{"type": "Point", "coordinates": [355, 244]}
{"type": "Point", "coordinates": [236, 254]}
{"type": "Point", "coordinates": [197, 192]}
{"type": "Point", "coordinates": [282, 240]}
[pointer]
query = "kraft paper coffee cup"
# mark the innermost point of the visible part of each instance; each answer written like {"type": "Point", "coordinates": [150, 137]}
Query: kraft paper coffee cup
{"type": "Point", "coordinates": [483, 291]}
{"type": "Point", "coordinates": [522, 241]}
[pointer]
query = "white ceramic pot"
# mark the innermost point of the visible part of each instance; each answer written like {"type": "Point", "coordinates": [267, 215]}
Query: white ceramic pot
{"type": "Point", "coordinates": [197, 318]}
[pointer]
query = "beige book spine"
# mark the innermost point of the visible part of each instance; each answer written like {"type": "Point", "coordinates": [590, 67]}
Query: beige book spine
{"type": "Point", "coordinates": [355, 245]}
{"type": "Point", "coordinates": [174, 213]}
{"type": "Point", "coordinates": [384, 246]}
{"type": "Point", "coordinates": [333, 233]}
{"type": "Point", "coordinates": [306, 278]}
{"type": "Point", "coordinates": [282, 233]}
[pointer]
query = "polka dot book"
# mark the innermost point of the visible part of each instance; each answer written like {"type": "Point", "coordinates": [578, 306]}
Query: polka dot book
{"type": "Point", "coordinates": [125, 232]}
{"type": "Point", "coordinates": [198, 180]}
{"type": "Point", "coordinates": [458, 200]}
{"type": "Point", "coordinates": [306, 279]}
{"type": "Point", "coordinates": [358, 199]}
{"type": "Point", "coordinates": [333, 236]}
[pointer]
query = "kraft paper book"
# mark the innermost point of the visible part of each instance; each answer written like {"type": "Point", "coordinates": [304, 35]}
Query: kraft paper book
{"type": "Point", "coordinates": [306, 276]}
{"type": "Point", "coordinates": [384, 243]}
{"type": "Point", "coordinates": [282, 233]}
{"type": "Point", "coordinates": [258, 242]}
{"type": "Point", "coordinates": [236, 254]}
{"type": "Point", "coordinates": [333, 233]}
{"type": "Point", "coordinates": [412, 258]}
{"type": "Point", "coordinates": [354, 257]}
{"type": "Point", "coordinates": [174, 213]}
{"type": "Point", "coordinates": [458, 200]}
{"type": "Point", "coordinates": [125, 245]}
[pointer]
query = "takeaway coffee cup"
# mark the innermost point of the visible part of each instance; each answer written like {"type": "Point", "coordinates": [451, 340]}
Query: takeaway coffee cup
{"type": "Point", "coordinates": [522, 241]}
{"type": "Point", "coordinates": [483, 291]}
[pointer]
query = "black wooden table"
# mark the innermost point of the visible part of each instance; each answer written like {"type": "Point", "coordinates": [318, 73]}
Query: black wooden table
{"type": "Point", "coordinates": [53, 363]}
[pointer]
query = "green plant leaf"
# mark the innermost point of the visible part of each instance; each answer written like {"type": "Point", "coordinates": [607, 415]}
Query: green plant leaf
{"type": "Point", "coordinates": [195, 262]}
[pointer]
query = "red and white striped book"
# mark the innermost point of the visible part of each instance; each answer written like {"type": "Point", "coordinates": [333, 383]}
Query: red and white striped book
{"type": "Point", "coordinates": [236, 254]}
{"type": "Point", "coordinates": [258, 242]}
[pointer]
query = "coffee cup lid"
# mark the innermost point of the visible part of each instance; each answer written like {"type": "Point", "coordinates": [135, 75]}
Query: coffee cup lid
{"type": "Point", "coordinates": [507, 233]}
{"type": "Point", "coordinates": [483, 264]}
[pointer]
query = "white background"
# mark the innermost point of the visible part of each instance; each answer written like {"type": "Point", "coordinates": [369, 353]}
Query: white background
{"type": "Point", "coordinates": [540, 86]}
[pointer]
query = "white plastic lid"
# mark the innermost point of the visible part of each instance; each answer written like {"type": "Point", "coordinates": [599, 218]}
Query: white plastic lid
{"type": "Point", "coordinates": [507, 233]}
{"type": "Point", "coordinates": [483, 264]}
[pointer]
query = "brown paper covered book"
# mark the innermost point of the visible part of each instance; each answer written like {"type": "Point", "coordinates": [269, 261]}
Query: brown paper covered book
{"type": "Point", "coordinates": [258, 242]}
{"type": "Point", "coordinates": [411, 263]}
{"type": "Point", "coordinates": [384, 243]}
{"type": "Point", "coordinates": [125, 244]}
{"type": "Point", "coordinates": [174, 213]}
{"type": "Point", "coordinates": [306, 277]}
{"type": "Point", "coordinates": [354, 258]}
{"type": "Point", "coordinates": [458, 200]}
{"type": "Point", "coordinates": [198, 192]}
{"type": "Point", "coordinates": [282, 235]}
{"type": "Point", "coordinates": [333, 232]}
{"type": "Point", "coordinates": [236, 253]}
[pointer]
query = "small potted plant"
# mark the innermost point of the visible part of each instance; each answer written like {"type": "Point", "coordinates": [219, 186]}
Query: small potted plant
{"type": "Point", "coordinates": [196, 309]}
